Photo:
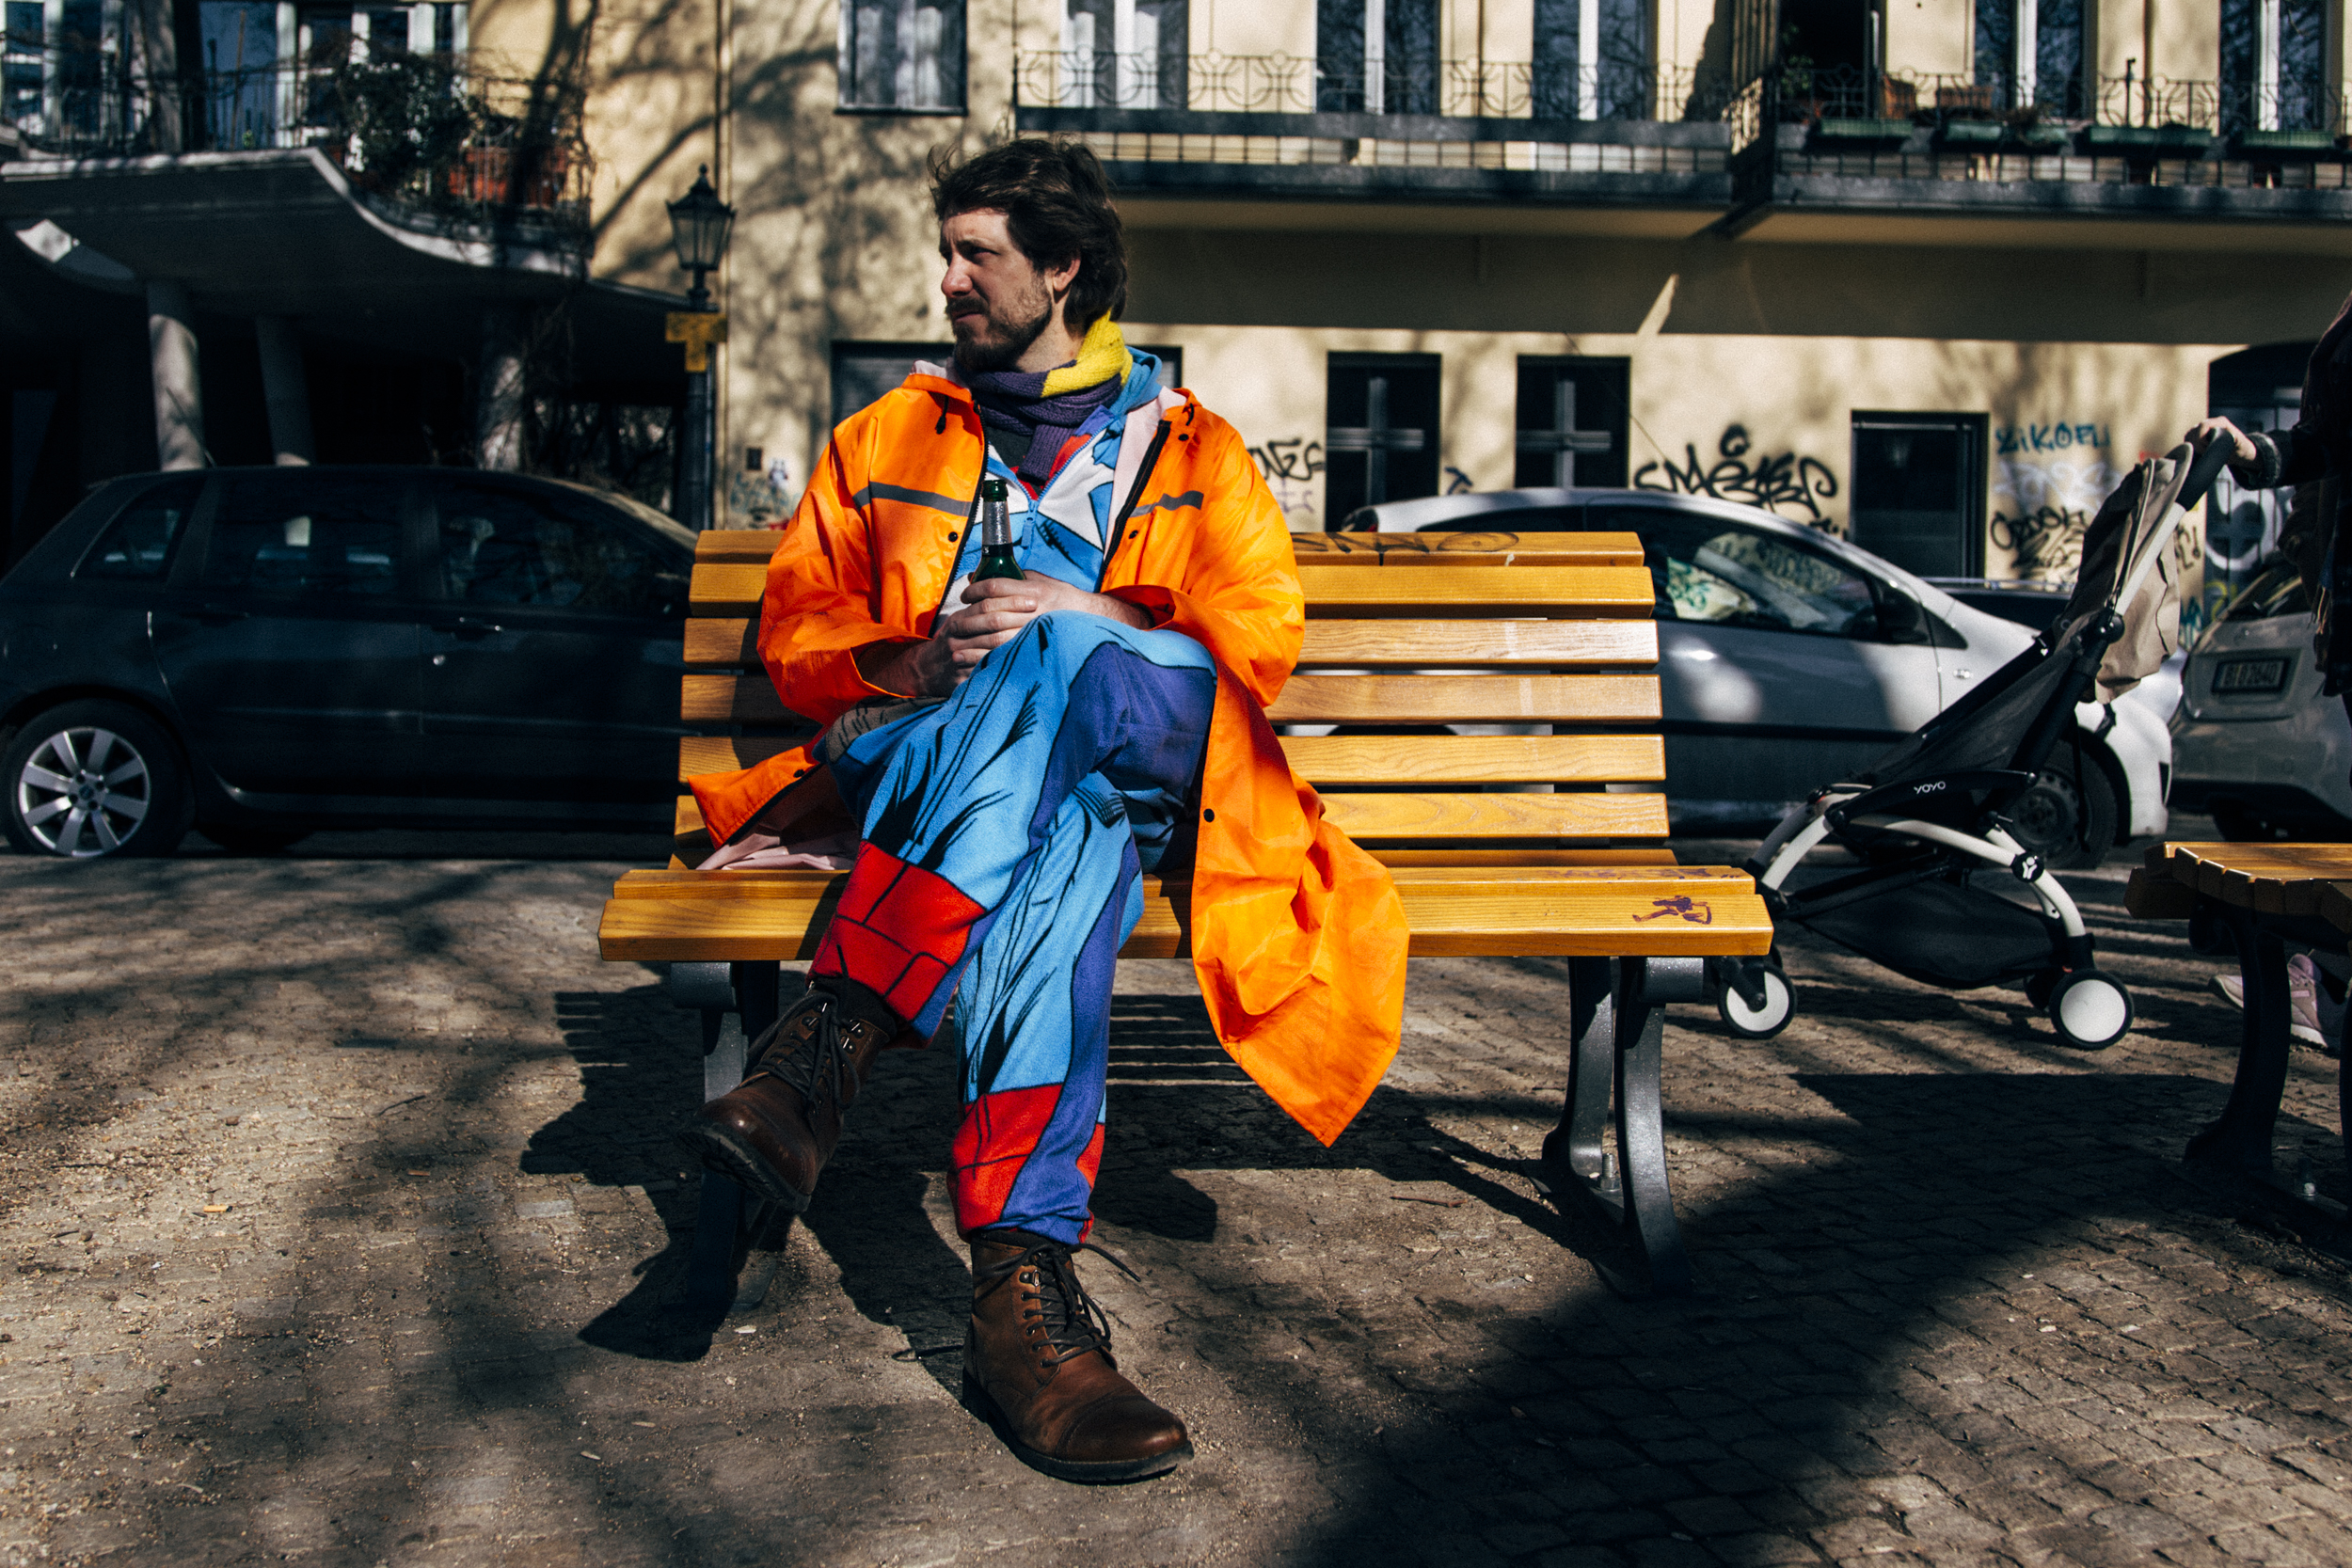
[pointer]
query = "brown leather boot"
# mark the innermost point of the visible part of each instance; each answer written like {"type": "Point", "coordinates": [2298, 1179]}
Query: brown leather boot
{"type": "Point", "coordinates": [774, 1131]}
{"type": "Point", "coordinates": [1037, 1361]}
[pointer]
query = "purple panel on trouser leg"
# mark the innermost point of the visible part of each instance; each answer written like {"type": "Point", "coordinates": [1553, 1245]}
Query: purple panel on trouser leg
{"type": "Point", "coordinates": [1051, 1195]}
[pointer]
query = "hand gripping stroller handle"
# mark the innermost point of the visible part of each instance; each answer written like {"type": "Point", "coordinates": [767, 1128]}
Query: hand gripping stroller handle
{"type": "Point", "coordinates": [2203, 471]}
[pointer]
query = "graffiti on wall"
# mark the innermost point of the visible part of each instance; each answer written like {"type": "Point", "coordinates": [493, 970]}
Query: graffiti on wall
{"type": "Point", "coordinates": [1785, 480]}
{"type": "Point", "coordinates": [2047, 541]}
{"type": "Point", "coordinates": [1290, 466]}
{"type": "Point", "coordinates": [2015, 440]}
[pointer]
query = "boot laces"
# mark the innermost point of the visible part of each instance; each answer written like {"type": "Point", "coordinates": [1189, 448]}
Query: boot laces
{"type": "Point", "coordinates": [822, 1072]}
{"type": "Point", "coordinates": [1074, 1321]}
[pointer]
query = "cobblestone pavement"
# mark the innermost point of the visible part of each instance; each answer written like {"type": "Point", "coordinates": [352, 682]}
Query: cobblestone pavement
{"type": "Point", "coordinates": [342, 1218]}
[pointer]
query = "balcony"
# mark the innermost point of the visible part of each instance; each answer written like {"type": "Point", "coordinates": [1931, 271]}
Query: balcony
{"type": "Point", "coordinates": [424, 139]}
{"type": "Point", "coordinates": [1475, 134]}
{"type": "Point", "coordinates": [1816, 148]}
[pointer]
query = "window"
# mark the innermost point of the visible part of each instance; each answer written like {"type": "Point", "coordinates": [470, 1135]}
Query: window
{"type": "Point", "coordinates": [1707, 571]}
{"type": "Point", "coordinates": [139, 545]}
{"type": "Point", "coordinates": [310, 536]}
{"type": "Point", "coordinates": [902, 55]}
{"type": "Point", "coordinates": [1571, 422]}
{"type": "Point", "coordinates": [1591, 59]}
{"type": "Point", "coordinates": [1121, 55]}
{"type": "Point", "coordinates": [2030, 51]}
{"type": "Point", "coordinates": [500, 546]}
{"type": "Point", "coordinates": [2274, 74]}
{"type": "Point", "coordinates": [1919, 491]}
{"type": "Point", "coordinates": [1376, 56]}
{"type": "Point", "coordinates": [1382, 442]}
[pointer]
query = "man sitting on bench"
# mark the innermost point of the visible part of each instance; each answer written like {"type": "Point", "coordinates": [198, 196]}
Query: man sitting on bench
{"type": "Point", "coordinates": [1013, 754]}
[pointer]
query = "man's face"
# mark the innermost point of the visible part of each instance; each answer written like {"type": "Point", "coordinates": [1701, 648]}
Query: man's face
{"type": "Point", "coordinates": [998, 301]}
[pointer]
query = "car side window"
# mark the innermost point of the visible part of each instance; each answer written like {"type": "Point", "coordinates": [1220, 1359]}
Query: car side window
{"type": "Point", "coordinates": [137, 545]}
{"type": "Point", "coordinates": [501, 547]}
{"type": "Point", "coordinates": [1706, 570]}
{"type": "Point", "coordinates": [313, 536]}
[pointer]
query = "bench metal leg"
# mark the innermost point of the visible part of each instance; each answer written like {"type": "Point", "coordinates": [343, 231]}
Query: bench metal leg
{"type": "Point", "coordinates": [2240, 1141]}
{"type": "Point", "coordinates": [1616, 1049]}
{"type": "Point", "coordinates": [1576, 1147]}
{"type": "Point", "coordinates": [737, 1002]}
{"type": "Point", "coordinates": [1644, 985]}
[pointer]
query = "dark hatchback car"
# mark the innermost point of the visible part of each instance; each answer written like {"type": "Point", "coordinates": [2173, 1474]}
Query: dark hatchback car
{"type": "Point", "coordinates": [263, 652]}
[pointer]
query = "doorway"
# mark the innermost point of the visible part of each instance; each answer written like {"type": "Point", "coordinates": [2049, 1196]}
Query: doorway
{"type": "Point", "coordinates": [1919, 491]}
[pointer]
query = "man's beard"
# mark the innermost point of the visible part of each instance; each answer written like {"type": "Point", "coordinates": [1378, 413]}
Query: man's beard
{"type": "Point", "coordinates": [1003, 350]}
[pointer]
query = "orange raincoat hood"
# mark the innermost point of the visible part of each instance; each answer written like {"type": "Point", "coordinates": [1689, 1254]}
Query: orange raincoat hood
{"type": "Point", "coordinates": [1298, 935]}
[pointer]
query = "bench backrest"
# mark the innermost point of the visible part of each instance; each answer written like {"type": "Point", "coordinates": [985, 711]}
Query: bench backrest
{"type": "Point", "coordinates": [1543, 631]}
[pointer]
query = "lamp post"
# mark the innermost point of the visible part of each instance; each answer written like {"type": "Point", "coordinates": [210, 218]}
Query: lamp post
{"type": "Point", "coordinates": [699, 225]}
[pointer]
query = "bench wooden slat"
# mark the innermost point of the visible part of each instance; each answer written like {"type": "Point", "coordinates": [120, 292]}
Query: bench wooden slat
{"type": "Point", "coordinates": [1352, 758]}
{"type": "Point", "coordinates": [1496, 546]}
{"type": "Point", "coordinates": [1589, 815]}
{"type": "Point", "coordinates": [1608, 592]}
{"type": "Point", "coordinates": [1443, 924]}
{"type": "Point", "coordinates": [731, 642]}
{"type": "Point", "coordinates": [1586, 584]}
{"type": "Point", "coordinates": [808, 886]}
{"type": "Point", "coordinates": [1482, 548]}
{"type": "Point", "coordinates": [1309, 700]}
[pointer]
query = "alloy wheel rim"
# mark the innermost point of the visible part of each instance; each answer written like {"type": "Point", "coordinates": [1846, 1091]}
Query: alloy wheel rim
{"type": "Point", "coordinates": [84, 792]}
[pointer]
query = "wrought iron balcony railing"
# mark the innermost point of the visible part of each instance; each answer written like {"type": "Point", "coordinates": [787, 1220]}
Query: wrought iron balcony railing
{"type": "Point", "coordinates": [1394, 85]}
{"type": "Point", "coordinates": [2289, 107]}
{"type": "Point", "coordinates": [426, 133]}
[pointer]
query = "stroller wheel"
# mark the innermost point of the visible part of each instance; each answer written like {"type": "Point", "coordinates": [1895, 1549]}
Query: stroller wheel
{"type": "Point", "coordinates": [2040, 985]}
{"type": "Point", "coordinates": [1757, 1022]}
{"type": "Point", "coordinates": [2091, 1012]}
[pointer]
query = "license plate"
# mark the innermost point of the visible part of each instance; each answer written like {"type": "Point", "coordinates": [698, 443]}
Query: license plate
{"type": "Point", "coordinates": [2241, 677]}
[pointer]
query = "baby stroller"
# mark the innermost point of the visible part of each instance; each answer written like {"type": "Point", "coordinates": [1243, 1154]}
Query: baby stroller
{"type": "Point", "coordinates": [1929, 817]}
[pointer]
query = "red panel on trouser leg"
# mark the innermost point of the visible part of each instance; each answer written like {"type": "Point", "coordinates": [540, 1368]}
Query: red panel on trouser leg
{"type": "Point", "coordinates": [1088, 1163]}
{"type": "Point", "coordinates": [998, 1134]}
{"type": "Point", "coordinates": [897, 930]}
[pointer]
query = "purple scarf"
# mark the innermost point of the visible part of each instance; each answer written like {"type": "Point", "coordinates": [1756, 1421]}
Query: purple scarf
{"type": "Point", "coordinates": [1014, 402]}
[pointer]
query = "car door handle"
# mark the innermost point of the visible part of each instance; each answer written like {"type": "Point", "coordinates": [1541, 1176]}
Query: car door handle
{"type": "Point", "coordinates": [467, 625]}
{"type": "Point", "coordinates": [220, 612]}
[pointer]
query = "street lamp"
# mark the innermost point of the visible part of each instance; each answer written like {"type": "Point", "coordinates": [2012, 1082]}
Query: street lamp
{"type": "Point", "coordinates": [699, 225]}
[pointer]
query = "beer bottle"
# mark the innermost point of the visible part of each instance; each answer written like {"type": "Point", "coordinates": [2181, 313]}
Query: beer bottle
{"type": "Point", "coordinates": [998, 557]}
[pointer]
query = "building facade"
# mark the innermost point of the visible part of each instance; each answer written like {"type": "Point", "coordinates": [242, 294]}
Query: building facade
{"type": "Point", "coordinates": [1929, 273]}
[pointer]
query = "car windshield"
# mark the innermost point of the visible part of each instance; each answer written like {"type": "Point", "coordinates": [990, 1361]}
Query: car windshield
{"type": "Point", "coordinates": [1706, 570]}
{"type": "Point", "coordinates": [671, 528]}
{"type": "Point", "coordinates": [2277, 590]}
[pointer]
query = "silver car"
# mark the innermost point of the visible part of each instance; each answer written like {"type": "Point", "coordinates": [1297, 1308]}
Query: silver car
{"type": "Point", "coordinates": [2254, 744]}
{"type": "Point", "coordinates": [1790, 660]}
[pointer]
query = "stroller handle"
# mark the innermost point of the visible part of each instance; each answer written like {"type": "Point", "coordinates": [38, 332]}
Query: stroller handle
{"type": "Point", "coordinates": [2203, 471]}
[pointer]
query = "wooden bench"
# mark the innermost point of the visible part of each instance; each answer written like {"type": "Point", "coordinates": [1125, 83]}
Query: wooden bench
{"type": "Point", "coordinates": [1527, 630]}
{"type": "Point", "coordinates": [2258, 897]}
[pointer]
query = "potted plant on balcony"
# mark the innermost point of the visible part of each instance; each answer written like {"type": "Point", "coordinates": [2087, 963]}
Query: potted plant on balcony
{"type": "Point", "coordinates": [407, 116]}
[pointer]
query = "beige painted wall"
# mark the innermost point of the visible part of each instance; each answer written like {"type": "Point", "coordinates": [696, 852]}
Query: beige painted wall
{"type": "Point", "coordinates": [1791, 397]}
{"type": "Point", "coordinates": [1253, 27]}
{"type": "Point", "coordinates": [1928, 37]}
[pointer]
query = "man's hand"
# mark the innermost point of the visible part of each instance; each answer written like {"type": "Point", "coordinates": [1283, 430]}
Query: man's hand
{"type": "Point", "coordinates": [2205, 432]}
{"type": "Point", "coordinates": [996, 609]}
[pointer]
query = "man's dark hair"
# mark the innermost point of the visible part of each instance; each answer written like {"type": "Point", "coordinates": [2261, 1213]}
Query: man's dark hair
{"type": "Point", "coordinates": [1056, 203]}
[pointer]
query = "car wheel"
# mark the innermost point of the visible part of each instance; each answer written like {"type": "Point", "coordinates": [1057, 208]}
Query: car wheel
{"type": "Point", "coordinates": [2240, 826]}
{"type": "Point", "coordinates": [2067, 818]}
{"type": "Point", "coordinates": [93, 779]}
{"type": "Point", "coordinates": [2090, 1011]}
{"type": "Point", "coordinates": [240, 840]}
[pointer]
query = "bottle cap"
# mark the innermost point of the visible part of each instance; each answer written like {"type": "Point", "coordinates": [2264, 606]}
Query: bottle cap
{"type": "Point", "coordinates": [992, 488]}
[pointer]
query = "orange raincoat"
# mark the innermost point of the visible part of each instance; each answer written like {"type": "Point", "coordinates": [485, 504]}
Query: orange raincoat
{"type": "Point", "coordinates": [1298, 935]}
